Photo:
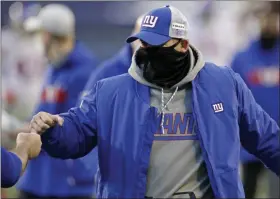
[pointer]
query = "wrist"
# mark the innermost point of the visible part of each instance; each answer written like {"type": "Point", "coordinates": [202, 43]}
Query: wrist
{"type": "Point", "coordinates": [21, 151]}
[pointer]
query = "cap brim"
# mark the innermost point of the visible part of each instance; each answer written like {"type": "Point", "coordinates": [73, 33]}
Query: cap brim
{"type": "Point", "coordinates": [149, 37]}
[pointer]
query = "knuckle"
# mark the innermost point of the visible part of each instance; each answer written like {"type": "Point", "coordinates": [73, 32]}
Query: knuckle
{"type": "Point", "coordinates": [41, 113]}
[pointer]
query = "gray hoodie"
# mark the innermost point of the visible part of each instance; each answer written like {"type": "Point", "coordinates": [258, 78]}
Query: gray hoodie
{"type": "Point", "coordinates": [176, 163]}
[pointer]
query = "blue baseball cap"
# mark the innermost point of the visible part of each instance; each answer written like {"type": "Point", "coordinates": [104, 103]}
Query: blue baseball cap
{"type": "Point", "coordinates": [160, 25]}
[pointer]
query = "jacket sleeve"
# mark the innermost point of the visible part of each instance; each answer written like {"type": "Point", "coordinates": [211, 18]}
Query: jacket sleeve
{"type": "Point", "coordinates": [10, 168]}
{"type": "Point", "coordinates": [259, 133]}
{"type": "Point", "coordinates": [78, 134]}
{"type": "Point", "coordinates": [237, 65]}
{"type": "Point", "coordinates": [88, 162]}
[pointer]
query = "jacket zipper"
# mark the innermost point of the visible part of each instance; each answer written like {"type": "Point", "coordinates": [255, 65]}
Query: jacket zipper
{"type": "Point", "coordinates": [204, 152]}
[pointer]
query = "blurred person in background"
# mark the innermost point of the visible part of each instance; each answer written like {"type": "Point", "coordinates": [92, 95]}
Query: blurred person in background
{"type": "Point", "coordinates": [167, 128]}
{"type": "Point", "coordinates": [23, 62]}
{"type": "Point", "coordinates": [214, 19]}
{"type": "Point", "coordinates": [258, 65]}
{"type": "Point", "coordinates": [116, 65]}
{"type": "Point", "coordinates": [14, 162]}
{"type": "Point", "coordinates": [70, 64]}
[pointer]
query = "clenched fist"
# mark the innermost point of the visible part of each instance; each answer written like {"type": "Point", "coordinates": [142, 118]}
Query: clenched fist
{"type": "Point", "coordinates": [43, 121]}
{"type": "Point", "coordinates": [30, 143]}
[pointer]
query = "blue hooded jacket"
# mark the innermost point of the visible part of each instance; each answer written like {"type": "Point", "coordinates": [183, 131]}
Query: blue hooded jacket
{"type": "Point", "coordinates": [259, 69]}
{"type": "Point", "coordinates": [117, 115]}
{"type": "Point", "coordinates": [48, 176]}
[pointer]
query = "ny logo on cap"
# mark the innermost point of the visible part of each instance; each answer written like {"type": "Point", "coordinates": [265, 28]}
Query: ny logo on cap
{"type": "Point", "coordinates": [149, 21]}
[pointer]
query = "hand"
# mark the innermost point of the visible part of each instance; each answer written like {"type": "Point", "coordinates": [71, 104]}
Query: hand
{"type": "Point", "coordinates": [43, 121]}
{"type": "Point", "coordinates": [29, 143]}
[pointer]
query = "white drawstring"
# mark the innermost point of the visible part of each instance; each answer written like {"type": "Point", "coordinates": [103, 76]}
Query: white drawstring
{"type": "Point", "coordinates": [163, 107]}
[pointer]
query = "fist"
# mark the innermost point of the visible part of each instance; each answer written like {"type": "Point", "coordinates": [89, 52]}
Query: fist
{"type": "Point", "coordinates": [43, 121]}
{"type": "Point", "coordinates": [31, 142]}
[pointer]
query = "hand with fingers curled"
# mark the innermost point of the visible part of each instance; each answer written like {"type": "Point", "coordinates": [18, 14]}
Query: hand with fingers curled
{"type": "Point", "coordinates": [28, 144]}
{"type": "Point", "coordinates": [43, 121]}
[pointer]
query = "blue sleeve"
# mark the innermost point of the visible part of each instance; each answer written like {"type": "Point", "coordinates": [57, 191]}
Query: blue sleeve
{"type": "Point", "coordinates": [259, 133]}
{"type": "Point", "coordinates": [10, 168]}
{"type": "Point", "coordinates": [237, 65]}
{"type": "Point", "coordinates": [91, 157]}
{"type": "Point", "coordinates": [78, 134]}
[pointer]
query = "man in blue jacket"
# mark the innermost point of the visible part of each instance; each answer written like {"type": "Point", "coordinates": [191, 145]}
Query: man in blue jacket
{"type": "Point", "coordinates": [71, 63]}
{"type": "Point", "coordinates": [116, 65]}
{"type": "Point", "coordinates": [258, 65]}
{"type": "Point", "coordinates": [172, 127]}
{"type": "Point", "coordinates": [28, 146]}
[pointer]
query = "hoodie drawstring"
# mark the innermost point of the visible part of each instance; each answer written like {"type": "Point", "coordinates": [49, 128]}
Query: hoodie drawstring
{"type": "Point", "coordinates": [163, 107]}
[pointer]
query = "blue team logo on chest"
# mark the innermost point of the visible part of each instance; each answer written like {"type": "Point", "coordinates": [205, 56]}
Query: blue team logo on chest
{"type": "Point", "coordinates": [177, 126]}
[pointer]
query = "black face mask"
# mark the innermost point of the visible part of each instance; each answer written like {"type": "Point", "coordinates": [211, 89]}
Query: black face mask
{"type": "Point", "coordinates": [163, 66]}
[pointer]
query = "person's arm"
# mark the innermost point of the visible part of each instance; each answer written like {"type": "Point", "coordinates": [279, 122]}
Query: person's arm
{"type": "Point", "coordinates": [88, 163]}
{"type": "Point", "coordinates": [76, 137]}
{"type": "Point", "coordinates": [11, 167]}
{"type": "Point", "coordinates": [13, 163]}
{"type": "Point", "coordinates": [239, 65]}
{"type": "Point", "coordinates": [259, 133]}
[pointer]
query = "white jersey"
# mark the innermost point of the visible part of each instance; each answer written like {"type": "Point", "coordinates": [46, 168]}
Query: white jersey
{"type": "Point", "coordinates": [23, 64]}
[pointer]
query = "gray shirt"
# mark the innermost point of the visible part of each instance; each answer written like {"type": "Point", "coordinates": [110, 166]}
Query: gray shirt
{"type": "Point", "coordinates": [176, 163]}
